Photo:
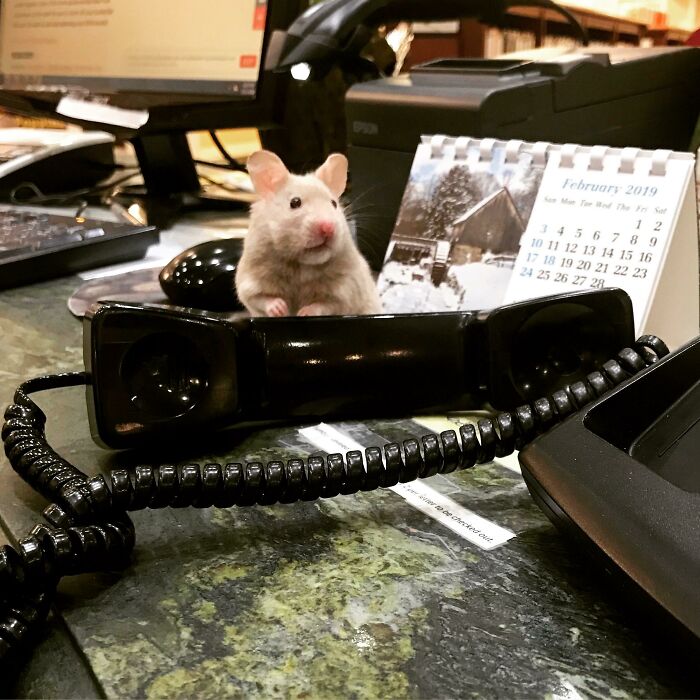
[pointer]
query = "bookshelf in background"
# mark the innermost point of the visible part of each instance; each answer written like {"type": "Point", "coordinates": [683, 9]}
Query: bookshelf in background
{"type": "Point", "coordinates": [668, 37]}
{"type": "Point", "coordinates": [528, 28]}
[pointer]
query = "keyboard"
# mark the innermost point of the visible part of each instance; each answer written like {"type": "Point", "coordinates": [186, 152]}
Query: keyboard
{"type": "Point", "coordinates": [36, 246]}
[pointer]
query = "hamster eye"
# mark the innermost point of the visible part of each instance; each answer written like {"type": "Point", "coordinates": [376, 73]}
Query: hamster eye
{"type": "Point", "coordinates": [295, 202]}
{"type": "Point", "coordinates": [334, 203]}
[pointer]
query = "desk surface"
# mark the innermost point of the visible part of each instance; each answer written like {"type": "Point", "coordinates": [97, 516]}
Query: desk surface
{"type": "Point", "coordinates": [359, 596]}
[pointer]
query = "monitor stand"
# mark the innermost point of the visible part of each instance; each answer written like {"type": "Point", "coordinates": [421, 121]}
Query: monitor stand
{"type": "Point", "coordinates": [171, 185]}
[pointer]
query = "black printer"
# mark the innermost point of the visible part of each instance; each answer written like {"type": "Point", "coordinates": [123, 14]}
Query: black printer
{"type": "Point", "coordinates": [644, 97]}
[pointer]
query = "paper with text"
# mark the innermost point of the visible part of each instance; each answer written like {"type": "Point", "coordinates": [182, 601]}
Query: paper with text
{"type": "Point", "coordinates": [460, 520]}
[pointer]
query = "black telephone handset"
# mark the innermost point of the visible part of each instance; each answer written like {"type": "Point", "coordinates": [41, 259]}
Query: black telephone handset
{"type": "Point", "coordinates": [155, 374]}
{"type": "Point", "coordinates": [331, 30]}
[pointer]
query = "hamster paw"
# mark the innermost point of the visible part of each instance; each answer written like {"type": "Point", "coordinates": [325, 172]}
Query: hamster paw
{"type": "Point", "coordinates": [312, 310]}
{"type": "Point", "coordinates": [277, 307]}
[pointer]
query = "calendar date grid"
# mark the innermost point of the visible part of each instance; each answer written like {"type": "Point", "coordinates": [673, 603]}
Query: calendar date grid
{"type": "Point", "coordinates": [591, 255]}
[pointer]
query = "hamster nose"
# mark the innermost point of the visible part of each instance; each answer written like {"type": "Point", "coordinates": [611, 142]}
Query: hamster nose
{"type": "Point", "coordinates": [325, 229]}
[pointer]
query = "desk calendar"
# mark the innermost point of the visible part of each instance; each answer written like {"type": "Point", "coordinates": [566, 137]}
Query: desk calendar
{"type": "Point", "coordinates": [486, 222]}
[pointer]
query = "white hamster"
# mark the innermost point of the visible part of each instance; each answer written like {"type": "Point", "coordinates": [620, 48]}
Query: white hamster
{"type": "Point", "coordinates": [299, 257]}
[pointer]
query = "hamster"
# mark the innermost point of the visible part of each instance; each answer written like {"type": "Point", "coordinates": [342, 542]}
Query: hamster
{"type": "Point", "coordinates": [299, 257]}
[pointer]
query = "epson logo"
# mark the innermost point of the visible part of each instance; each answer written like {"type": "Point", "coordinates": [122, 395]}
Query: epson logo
{"type": "Point", "coordinates": [365, 128]}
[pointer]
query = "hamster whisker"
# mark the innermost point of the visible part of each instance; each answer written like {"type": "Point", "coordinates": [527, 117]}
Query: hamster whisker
{"type": "Point", "coordinates": [366, 206]}
{"type": "Point", "coordinates": [367, 218]}
{"type": "Point", "coordinates": [353, 215]}
{"type": "Point", "coordinates": [358, 195]}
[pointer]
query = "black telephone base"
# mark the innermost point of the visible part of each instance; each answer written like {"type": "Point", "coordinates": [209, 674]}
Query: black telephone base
{"type": "Point", "coordinates": [622, 476]}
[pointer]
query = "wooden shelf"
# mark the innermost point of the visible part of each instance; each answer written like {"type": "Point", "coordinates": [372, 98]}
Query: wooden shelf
{"type": "Point", "coordinates": [668, 36]}
{"type": "Point", "coordinates": [470, 39]}
{"type": "Point", "coordinates": [593, 21]}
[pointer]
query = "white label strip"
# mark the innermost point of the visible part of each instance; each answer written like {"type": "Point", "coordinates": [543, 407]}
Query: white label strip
{"type": "Point", "coordinates": [467, 524]}
{"type": "Point", "coordinates": [101, 113]}
{"type": "Point", "coordinates": [157, 255]}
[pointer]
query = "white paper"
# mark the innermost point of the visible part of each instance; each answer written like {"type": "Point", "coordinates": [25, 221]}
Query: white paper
{"type": "Point", "coordinates": [465, 523]}
{"type": "Point", "coordinates": [591, 229]}
{"type": "Point", "coordinates": [101, 113]}
{"type": "Point", "coordinates": [157, 255]}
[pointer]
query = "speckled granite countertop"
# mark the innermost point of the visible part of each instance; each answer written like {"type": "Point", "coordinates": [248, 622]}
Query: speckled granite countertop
{"type": "Point", "coordinates": [361, 596]}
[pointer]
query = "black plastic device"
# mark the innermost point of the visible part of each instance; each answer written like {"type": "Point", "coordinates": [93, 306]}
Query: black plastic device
{"type": "Point", "coordinates": [338, 29]}
{"type": "Point", "coordinates": [622, 477]}
{"type": "Point", "coordinates": [638, 97]}
{"type": "Point", "coordinates": [158, 372]}
{"type": "Point", "coordinates": [36, 246]}
{"type": "Point", "coordinates": [53, 160]}
{"type": "Point", "coordinates": [203, 276]}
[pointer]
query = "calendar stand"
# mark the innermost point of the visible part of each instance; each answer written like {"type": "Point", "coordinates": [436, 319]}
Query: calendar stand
{"type": "Point", "coordinates": [506, 221]}
{"type": "Point", "coordinates": [675, 309]}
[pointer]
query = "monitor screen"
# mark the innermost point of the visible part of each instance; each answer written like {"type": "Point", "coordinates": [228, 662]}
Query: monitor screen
{"type": "Point", "coordinates": [178, 65]}
{"type": "Point", "coordinates": [211, 47]}
{"type": "Point", "coordinates": [157, 55]}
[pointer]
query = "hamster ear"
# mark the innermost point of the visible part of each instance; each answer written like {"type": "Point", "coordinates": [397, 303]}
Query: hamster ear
{"type": "Point", "coordinates": [334, 173]}
{"type": "Point", "coordinates": [267, 172]}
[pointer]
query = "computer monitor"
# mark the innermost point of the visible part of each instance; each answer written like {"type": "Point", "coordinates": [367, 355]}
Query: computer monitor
{"type": "Point", "coordinates": [175, 65]}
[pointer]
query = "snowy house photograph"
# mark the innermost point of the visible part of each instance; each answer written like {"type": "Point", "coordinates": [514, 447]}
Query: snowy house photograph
{"type": "Point", "coordinates": [457, 233]}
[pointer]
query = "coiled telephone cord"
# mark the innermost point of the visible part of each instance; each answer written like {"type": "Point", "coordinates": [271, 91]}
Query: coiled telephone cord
{"type": "Point", "coordinates": [89, 529]}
